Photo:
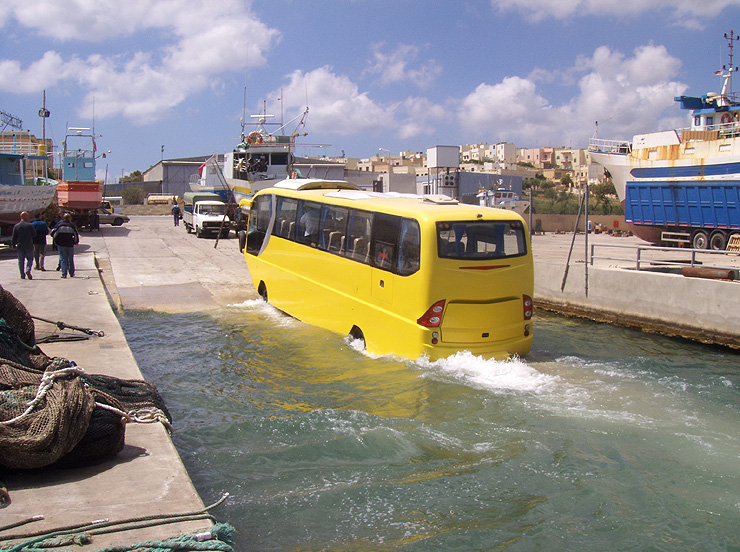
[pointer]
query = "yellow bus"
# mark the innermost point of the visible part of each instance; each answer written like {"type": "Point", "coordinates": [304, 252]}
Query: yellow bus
{"type": "Point", "coordinates": [409, 275]}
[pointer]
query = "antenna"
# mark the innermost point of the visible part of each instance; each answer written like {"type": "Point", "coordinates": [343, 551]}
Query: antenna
{"type": "Point", "coordinates": [8, 120]}
{"type": "Point", "coordinates": [731, 38]}
{"type": "Point", "coordinates": [244, 105]}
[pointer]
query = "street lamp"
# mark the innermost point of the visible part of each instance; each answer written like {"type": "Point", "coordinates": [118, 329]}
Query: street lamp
{"type": "Point", "coordinates": [389, 166]}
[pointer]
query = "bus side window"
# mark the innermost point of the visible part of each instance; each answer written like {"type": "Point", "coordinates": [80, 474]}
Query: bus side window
{"type": "Point", "coordinates": [259, 221]}
{"type": "Point", "coordinates": [309, 215]}
{"type": "Point", "coordinates": [285, 217]}
{"type": "Point", "coordinates": [408, 253]}
{"type": "Point", "coordinates": [357, 244]}
{"type": "Point", "coordinates": [333, 228]}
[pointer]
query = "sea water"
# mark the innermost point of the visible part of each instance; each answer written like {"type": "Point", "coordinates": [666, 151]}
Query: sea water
{"type": "Point", "coordinates": [600, 439]}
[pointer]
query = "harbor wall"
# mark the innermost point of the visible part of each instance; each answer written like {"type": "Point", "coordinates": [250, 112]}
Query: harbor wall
{"type": "Point", "coordinates": [566, 223]}
{"type": "Point", "coordinates": [695, 308]}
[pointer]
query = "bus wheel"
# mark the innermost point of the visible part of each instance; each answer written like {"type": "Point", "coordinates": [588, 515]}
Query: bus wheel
{"type": "Point", "coordinates": [356, 333]}
{"type": "Point", "coordinates": [700, 240]}
{"type": "Point", "coordinates": [242, 240]}
{"type": "Point", "coordinates": [262, 290]}
{"type": "Point", "coordinates": [717, 240]}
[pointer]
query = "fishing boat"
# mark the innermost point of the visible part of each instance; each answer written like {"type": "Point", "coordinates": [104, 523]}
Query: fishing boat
{"type": "Point", "coordinates": [682, 186]}
{"type": "Point", "coordinates": [501, 198]}
{"type": "Point", "coordinates": [16, 193]}
{"type": "Point", "coordinates": [264, 156]}
{"type": "Point", "coordinates": [79, 191]}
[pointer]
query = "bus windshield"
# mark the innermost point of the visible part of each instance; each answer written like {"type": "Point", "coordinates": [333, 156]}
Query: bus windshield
{"type": "Point", "coordinates": [481, 239]}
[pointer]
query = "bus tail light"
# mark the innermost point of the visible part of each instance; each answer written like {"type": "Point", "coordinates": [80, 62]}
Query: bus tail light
{"type": "Point", "coordinates": [432, 318]}
{"type": "Point", "coordinates": [528, 307]}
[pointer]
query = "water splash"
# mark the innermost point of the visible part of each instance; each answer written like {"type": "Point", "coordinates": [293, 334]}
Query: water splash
{"type": "Point", "coordinates": [512, 375]}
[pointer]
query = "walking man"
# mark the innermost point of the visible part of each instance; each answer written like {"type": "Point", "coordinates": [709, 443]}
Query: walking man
{"type": "Point", "coordinates": [176, 212]}
{"type": "Point", "coordinates": [39, 242]}
{"type": "Point", "coordinates": [22, 242]}
{"type": "Point", "coordinates": [65, 238]}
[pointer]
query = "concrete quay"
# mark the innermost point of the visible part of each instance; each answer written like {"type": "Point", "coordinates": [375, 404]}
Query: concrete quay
{"type": "Point", "coordinates": [154, 266]}
{"type": "Point", "coordinates": [652, 299]}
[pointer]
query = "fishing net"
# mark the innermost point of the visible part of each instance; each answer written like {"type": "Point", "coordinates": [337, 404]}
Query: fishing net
{"type": "Point", "coordinates": [51, 411]}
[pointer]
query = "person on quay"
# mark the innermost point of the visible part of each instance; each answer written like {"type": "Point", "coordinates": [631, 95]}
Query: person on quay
{"type": "Point", "coordinates": [22, 242]}
{"type": "Point", "coordinates": [66, 236]}
{"type": "Point", "coordinates": [176, 212]}
{"type": "Point", "coordinates": [39, 242]}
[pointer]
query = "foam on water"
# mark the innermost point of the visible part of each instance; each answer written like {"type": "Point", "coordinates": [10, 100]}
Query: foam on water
{"type": "Point", "coordinates": [512, 375]}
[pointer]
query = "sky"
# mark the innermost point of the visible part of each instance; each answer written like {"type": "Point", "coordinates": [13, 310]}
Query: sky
{"type": "Point", "coordinates": [175, 78]}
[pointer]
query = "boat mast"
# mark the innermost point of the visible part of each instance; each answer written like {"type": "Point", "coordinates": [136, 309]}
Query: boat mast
{"type": "Point", "coordinates": [727, 77]}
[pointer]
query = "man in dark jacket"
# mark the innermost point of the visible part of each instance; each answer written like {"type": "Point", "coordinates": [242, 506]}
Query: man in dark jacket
{"type": "Point", "coordinates": [39, 242]}
{"type": "Point", "coordinates": [65, 237]}
{"type": "Point", "coordinates": [22, 242]}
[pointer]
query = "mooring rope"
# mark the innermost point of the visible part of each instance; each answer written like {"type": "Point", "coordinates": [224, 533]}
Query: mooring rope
{"type": "Point", "coordinates": [142, 415]}
{"type": "Point", "coordinates": [105, 526]}
{"type": "Point", "coordinates": [47, 382]}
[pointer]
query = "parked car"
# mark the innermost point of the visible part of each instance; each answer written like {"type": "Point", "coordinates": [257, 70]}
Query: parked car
{"type": "Point", "coordinates": [115, 219]}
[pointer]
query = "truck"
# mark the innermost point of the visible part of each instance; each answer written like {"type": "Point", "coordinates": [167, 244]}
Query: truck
{"type": "Point", "coordinates": [205, 213]}
{"type": "Point", "coordinates": [704, 215]}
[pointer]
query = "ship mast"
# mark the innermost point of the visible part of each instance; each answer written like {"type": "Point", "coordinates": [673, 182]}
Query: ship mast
{"type": "Point", "coordinates": [727, 77]}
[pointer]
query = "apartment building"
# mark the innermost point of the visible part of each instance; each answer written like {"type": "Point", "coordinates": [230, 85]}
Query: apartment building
{"type": "Point", "coordinates": [542, 158]}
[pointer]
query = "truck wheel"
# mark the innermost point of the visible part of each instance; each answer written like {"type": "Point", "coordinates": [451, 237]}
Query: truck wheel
{"type": "Point", "coordinates": [198, 232]}
{"type": "Point", "coordinates": [700, 240]}
{"type": "Point", "coordinates": [718, 240]}
{"type": "Point", "coordinates": [188, 228]}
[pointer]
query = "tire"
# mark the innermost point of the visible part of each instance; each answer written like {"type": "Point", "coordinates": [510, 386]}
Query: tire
{"type": "Point", "coordinates": [117, 222]}
{"type": "Point", "coordinates": [188, 228]}
{"type": "Point", "coordinates": [356, 333]}
{"type": "Point", "coordinates": [718, 240]}
{"type": "Point", "coordinates": [700, 240]}
{"type": "Point", "coordinates": [262, 290]}
{"type": "Point", "coordinates": [198, 232]}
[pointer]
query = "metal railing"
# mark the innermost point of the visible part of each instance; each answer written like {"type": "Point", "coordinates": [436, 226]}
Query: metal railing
{"type": "Point", "coordinates": [639, 258]}
{"type": "Point", "coordinates": [23, 148]}
{"type": "Point", "coordinates": [609, 146]}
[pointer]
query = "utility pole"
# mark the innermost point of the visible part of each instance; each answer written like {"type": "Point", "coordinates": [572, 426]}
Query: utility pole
{"type": "Point", "coordinates": [44, 114]}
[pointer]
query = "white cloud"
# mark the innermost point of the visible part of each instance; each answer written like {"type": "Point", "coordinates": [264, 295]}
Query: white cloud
{"type": "Point", "coordinates": [43, 73]}
{"type": "Point", "coordinates": [395, 67]}
{"type": "Point", "coordinates": [336, 106]}
{"type": "Point", "coordinates": [204, 42]}
{"type": "Point", "coordinates": [687, 12]}
{"type": "Point", "coordinates": [420, 117]}
{"type": "Point", "coordinates": [510, 108]}
{"type": "Point", "coordinates": [626, 95]}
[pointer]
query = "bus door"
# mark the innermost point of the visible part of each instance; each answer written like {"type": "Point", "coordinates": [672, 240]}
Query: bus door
{"type": "Point", "coordinates": [384, 255]}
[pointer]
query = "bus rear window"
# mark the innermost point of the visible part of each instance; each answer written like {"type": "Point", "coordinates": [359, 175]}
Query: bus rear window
{"type": "Point", "coordinates": [481, 239]}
